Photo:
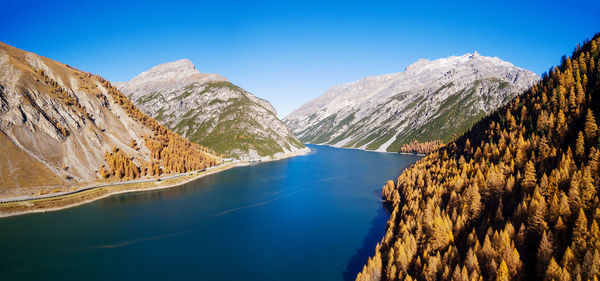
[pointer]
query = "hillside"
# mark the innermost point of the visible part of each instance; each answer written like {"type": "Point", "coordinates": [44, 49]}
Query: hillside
{"type": "Point", "coordinates": [62, 127]}
{"type": "Point", "coordinates": [515, 198]}
{"type": "Point", "coordinates": [429, 101]}
{"type": "Point", "coordinates": [209, 110]}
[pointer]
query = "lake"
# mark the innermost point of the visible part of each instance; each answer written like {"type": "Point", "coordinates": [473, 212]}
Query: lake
{"type": "Point", "coordinates": [312, 217]}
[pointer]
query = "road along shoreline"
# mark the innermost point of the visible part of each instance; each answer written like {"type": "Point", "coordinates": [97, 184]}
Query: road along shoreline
{"type": "Point", "coordinates": [21, 205]}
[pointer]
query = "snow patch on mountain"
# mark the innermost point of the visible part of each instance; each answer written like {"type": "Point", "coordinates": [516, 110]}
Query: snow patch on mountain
{"type": "Point", "coordinates": [430, 100]}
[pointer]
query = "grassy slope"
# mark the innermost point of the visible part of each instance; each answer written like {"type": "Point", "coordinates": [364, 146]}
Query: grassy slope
{"type": "Point", "coordinates": [229, 133]}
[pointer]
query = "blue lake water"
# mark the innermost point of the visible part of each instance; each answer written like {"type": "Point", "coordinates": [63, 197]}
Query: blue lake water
{"type": "Point", "coordinates": [313, 217]}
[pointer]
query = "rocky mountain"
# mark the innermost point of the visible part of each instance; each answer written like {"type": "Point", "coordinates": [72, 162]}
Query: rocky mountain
{"type": "Point", "coordinates": [61, 126]}
{"type": "Point", "coordinates": [209, 110]}
{"type": "Point", "coordinates": [429, 101]}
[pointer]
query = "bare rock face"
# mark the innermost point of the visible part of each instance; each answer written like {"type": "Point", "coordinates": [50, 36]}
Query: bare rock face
{"type": "Point", "coordinates": [430, 100]}
{"type": "Point", "coordinates": [57, 123]}
{"type": "Point", "coordinates": [166, 76]}
{"type": "Point", "coordinates": [209, 110]}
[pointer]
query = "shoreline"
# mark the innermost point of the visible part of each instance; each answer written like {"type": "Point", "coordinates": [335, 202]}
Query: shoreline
{"type": "Point", "coordinates": [362, 149]}
{"type": "Point", "coordinates": [42, 205]}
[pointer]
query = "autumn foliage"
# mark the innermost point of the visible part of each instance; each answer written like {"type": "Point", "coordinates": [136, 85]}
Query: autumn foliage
{"type": "Point", "coordinates": [515, 198]}
{"type": "Point", "coordinates": [169, 152]}
{"type": "Point", "coordinates": [119, 166]}
{"type": "Point", "coordinates": [421, 147]}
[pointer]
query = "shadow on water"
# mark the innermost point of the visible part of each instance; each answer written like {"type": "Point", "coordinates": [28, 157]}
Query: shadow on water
{"type": "Point", "coordinates": [376, 232]}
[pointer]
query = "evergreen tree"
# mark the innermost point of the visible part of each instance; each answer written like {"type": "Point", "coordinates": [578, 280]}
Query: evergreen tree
{"type": "Point", "coordinates": [553, 272]}
{"type": "Point", "coordinates": [580, 146]}
{"type": "Point", "coordinates": [530, 178]}
{"type": "Point", "coordinates": [591, 128]}
{"type": "Point", "coordinates": [580, 232]}
{"type": "Point", "coordinates": [502, 274]}
{"type": "Point", "coordinates": [544, 254]}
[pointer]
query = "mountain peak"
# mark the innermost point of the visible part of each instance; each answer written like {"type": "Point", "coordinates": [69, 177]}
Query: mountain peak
{"type": "Point", "coordinates": [453, 60]}
{"type": "Point", "coordinates": [420, 62]}
{"type": "Point", "coordinates": [182, 67]}
{"type": "Point", "coordinates": [170, 75]}
{"type": "Point", "coordinates": [178, 65]}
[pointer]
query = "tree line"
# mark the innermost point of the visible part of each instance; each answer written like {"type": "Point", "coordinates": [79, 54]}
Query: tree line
{"type": "Point", "coordinates": [421, 147]}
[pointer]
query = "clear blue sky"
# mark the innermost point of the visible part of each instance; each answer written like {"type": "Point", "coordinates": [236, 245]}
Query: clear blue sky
{"type": "Point", "coordinates": [290, 53]}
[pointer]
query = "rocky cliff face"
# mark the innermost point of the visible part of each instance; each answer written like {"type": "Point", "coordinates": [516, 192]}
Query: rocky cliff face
{"type": "Point", "coordinates": [430, 100]}
{"type": "Point", "coordinates": [209, 110]}
{"type": "Point", "coordinates": [57, 123]}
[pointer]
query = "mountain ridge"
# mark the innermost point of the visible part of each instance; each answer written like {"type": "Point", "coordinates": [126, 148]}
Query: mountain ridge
{"type": "Point", "coordinates": [386, 111]}
{"type": "Point", "coordinates": [210, 110]}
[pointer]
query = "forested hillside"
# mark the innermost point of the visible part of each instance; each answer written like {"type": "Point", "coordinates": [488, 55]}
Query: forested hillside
{"type": "Point", "coordinates": [516, 197]}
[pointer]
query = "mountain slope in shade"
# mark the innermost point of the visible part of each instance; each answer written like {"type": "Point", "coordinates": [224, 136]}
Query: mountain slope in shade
{"type": "Point", "coordinates": [431, 100]}
{"type": "Point", "coordinates": [59, 125]}
{"type": "Point", "coordinates": [209, 110]}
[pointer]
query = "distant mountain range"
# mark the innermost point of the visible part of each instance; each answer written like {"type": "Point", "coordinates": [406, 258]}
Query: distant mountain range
{"type": "Point", "coordinates": [60, 126]}
{"type": "Point", "coordinates": [429, 101]}
{"type": "Point", "coordinates": [209, 110]}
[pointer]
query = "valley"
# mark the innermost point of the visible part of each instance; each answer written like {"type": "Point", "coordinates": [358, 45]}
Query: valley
{"type": "Point", "coordinates": [300, 140]}
{"type": "Point", "coordinates": [295, 212]}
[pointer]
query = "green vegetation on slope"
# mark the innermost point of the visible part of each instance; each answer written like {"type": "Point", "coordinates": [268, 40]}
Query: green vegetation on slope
{"type": "Point", "coordinates": [453, 118]}
{"type": "Point", "coordinates": [232, 132]}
